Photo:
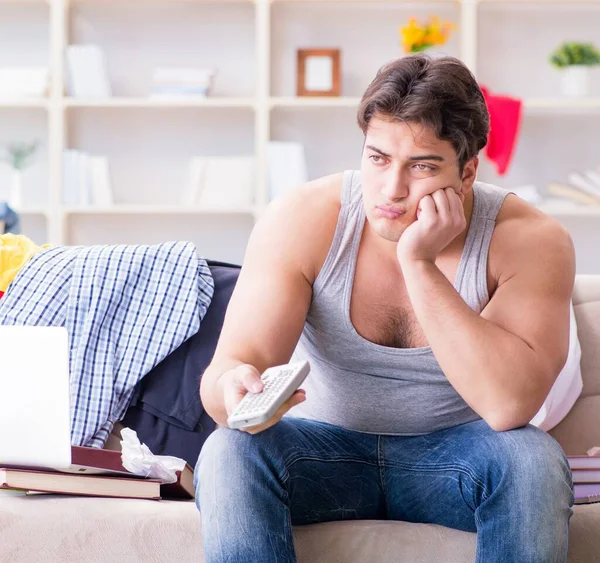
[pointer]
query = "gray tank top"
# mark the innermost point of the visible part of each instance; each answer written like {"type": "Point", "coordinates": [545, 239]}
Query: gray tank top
{"type": "Point", "coordinates": [363, 386]}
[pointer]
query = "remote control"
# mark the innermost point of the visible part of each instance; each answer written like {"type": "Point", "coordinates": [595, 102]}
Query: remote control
{"type": "Point", "coordinates": [280, 383]}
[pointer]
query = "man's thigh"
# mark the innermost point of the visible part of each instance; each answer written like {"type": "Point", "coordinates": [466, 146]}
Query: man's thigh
{"type": "Point", "coordinates": [330, 473]}
{"type": "Point", "coordinates": [444, 477]}
{"type": "Point", "coordinates": [321, 472]}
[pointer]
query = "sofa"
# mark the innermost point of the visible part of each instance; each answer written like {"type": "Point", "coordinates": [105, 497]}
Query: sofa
{"type": "Point", "coordinates": [46, 528]}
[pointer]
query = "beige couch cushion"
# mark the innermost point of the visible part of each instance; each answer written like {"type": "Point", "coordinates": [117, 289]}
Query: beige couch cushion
{"type": "Point", "coordinates": [51, 529]}
{"type": "Point", "coordinates": [580, 430]}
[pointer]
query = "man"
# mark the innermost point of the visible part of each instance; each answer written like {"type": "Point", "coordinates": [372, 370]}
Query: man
{"type": "Point", "coordinates": [434, 311]}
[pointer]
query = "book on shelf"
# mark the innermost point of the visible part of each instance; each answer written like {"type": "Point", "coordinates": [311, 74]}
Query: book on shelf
{"type": "Point", "coordinates": [572, 193]}
{"type": "Point", "coordinates": [87, 72]}
{"type": "Point", "coordinates": [220, 182]}
{"type": "Point", "coordinates": [584, 182]}
{"type": "Point", "coordinates": [101, 192]}
{"type": "Point", "coordinates": [58, 482]}
{"type": "Point", "coordinates": [228, 182]}
{"type": "Point", "coordinates": [75, 178]}
{"type": "Point", "coordinates": [182, 82]}
{"type": "Point", "coordinates": [287, 167]}
{"type": "Point", "coordinates": [86, 179]}
{"type": "Point", "coordinates": [24, 82]}
{"type": "Point", "coordinates": [195, 181]}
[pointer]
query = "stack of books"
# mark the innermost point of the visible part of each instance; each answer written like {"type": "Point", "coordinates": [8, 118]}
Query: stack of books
{"type": "Point", "coordinates": [177, 82]}
{"type": "Point", "coordinates": [87, 72]}
{"type": "Point", "coordinates": [287, 167]}
{"type": "Point", "coordinates": [582, 188]}
{"type": "Point", "coordinates": [86, 180]}
{"type": "Point", "coordinates": [586, 478]}
{"type": "Point", "coordinates": [24, 82]}
{"type": "Point", "coordinates": [220, 182]}
{"type": "Point", "coordinates": [94, 472]}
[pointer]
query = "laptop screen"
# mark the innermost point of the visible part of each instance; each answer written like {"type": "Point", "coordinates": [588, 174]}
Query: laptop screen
{"type": "Point", "coordinates": [35, 420]}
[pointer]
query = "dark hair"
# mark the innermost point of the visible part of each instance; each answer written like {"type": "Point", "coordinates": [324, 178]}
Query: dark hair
{"type": "Point", "coordinates": [440, 93]}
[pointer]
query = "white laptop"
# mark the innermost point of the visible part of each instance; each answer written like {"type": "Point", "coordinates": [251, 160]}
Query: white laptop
{"type": "Point", "coordinates": [35, 420]}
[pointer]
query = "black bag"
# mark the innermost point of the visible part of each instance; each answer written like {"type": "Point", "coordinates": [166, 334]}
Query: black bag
{"type": "Point", "coordinates": [166, 412]}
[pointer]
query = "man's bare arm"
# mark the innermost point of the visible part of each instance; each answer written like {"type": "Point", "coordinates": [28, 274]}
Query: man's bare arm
{"type": "Point", "coordinates": [504, 361]}
{"type": "Point", "coordinates": [268, 308]}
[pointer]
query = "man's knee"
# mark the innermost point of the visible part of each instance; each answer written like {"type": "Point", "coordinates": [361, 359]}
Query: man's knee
{"type": "Point", "coordinates": [229, 455]}
{"type": "Point", "coordinates": [541, 487]}
{"type": "Point", "coordinates": [223, 452]}
{"type": "Point", "coordinates": [535, 454]}
{"type": "Point", "coordinates": [221, 464]}
{"type": "Point", "coordinates": [535, 466]}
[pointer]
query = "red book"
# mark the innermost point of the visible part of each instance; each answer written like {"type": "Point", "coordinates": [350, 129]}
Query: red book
{"type": "Point", "coordinates": [95, 461]}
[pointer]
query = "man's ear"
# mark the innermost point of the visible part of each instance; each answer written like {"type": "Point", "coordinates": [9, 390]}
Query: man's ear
{"type": "Point", "coordinates": [469, 175]}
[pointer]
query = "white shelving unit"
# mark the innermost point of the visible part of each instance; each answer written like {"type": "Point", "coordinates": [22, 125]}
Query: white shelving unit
{"type": "Point", "coordinates": [25, 103]}
{"type": "Point", "coordinates": [157, 210]}
{"type": "Point", "coordinates": [161, 103]}
{"type": "Point", "coordinates": [253, 42]}
{"type": "Point", "coordinates": [573, 211]}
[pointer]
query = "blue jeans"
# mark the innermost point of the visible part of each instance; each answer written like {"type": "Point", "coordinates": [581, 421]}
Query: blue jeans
{"type": "Point", "coordinates": [513, 488]}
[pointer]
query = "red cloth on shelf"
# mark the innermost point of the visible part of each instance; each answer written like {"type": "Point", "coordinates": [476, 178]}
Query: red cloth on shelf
{"type": "Point", "coordinates": [505, 122]}
{"type": "Point", "coordinates": [1, 294]}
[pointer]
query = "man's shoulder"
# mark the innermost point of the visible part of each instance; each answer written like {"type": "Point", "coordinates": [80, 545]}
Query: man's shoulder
{"type": "Point", "coordinates": [322, 195]}
{"type": "Point", "coordinates": [523, 233]}
{"type": "Point", "coordinates": [518, 221]}
{"type": "Point", "coordinates": [314, 205]}
{"type": "Point", "coordinates": [306, 218]}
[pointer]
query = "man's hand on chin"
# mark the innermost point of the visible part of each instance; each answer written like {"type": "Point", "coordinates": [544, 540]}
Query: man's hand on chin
{"type": "Point", "coordinates": [440, 219]}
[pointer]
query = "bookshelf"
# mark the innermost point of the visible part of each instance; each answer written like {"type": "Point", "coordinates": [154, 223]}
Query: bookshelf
{"type": "Point", "coordinates": [253, 43]}
{"type": "Point", "coordinates": [561, 210]}
{"type": "Point", "coordinates": [161, 103]}
{"type": "Point", "coordinates": [157, 210]}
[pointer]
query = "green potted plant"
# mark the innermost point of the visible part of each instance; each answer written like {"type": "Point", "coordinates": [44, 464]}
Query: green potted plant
{"type": "Point", "coordinates": [18, 156]}
{"type": "Point", "coordinates": [574, 60]}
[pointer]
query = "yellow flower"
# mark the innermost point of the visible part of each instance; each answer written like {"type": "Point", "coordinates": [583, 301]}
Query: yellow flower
{"type": "Point", "coordinates": [434, 34]}
{"type": "Point", "coordinates": [417, 37]}
{"type": "Point", "coordinates": [412, 35]}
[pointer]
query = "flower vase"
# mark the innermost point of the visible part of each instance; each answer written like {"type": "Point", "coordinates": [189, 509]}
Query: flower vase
{"type": "Point", "coordinates": [576, 81]}
{"type": "Point", "coordinates": [16, 190]}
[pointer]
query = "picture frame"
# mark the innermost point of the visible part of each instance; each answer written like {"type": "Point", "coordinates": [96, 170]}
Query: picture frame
{"type": "Point", "coordinates": [319, 72]}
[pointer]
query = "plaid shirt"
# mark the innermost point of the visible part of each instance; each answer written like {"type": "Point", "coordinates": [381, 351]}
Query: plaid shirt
{"type": "Point", "coordinates": [125, 308]}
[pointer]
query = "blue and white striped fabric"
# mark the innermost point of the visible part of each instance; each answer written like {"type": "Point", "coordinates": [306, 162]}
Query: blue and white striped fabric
{"type": "Point", "coordinates": [125, 308]}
